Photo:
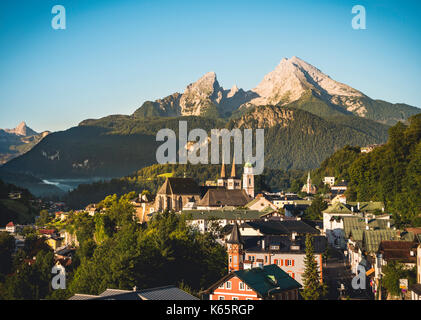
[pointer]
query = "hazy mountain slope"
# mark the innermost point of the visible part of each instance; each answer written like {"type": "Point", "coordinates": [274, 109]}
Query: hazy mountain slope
{"type": "Point", "coordinates": [17, 141]}
{"type": "Point", "coordinates": [118, 145]}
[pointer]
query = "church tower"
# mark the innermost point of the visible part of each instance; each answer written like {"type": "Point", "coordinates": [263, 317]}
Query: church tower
{"type": "Point", "coordinates": [235, 250]}
{"type": "Point", "coordinates": [248, 179]}
{"type": "Point", "coordinates": [222, 181]}
{"type": "Point", "coordinates": [233, 182]}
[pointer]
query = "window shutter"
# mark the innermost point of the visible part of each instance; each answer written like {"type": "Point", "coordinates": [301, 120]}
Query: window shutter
{"type": "Point", "coordinates": [282, 262]}
{"type": "Point", "coordinates": [276, 261]}
{"type": "Point", "coordinates": [292, 262]}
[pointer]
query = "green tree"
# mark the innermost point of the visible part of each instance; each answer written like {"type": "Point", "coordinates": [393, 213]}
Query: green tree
{"type": "Point", "coordinates": [314, 289]}
{"type": "Point", "coordinates": [7, 247]}
{"type": "Point", "coordinates": [43, 219]}
{"type": "Point", "coordinates": [394, 271]}
{"type": "Point", "coordinates": [314, 211]}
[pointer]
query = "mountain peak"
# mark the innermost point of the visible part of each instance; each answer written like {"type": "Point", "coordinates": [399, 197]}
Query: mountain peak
{"type": "Point", "coordinates": [22, 130]}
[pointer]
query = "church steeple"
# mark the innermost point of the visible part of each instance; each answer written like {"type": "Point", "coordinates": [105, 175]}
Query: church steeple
{"type": "Point", "coordinates": [233, 173]}
{"type": "Point", "coordinates": [223, 170]}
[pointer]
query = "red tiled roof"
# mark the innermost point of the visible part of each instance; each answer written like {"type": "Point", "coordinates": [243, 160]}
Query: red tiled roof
{"type": "Point", "coordinates": [397, 250]}
{"type": "Point", "coordinates": [47, 231]}
{"type": "Point", "coordinates": [10, 224]}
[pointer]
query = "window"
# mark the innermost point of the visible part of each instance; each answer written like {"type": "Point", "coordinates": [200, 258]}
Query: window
{"type": "Point", "coordinates": [221, 298]}
{"type": "Point", "coordinates": [230, 258]}
{"type": "Point", "coordinates": [241, 285]}
{"type": "Point", "coordinates": [228, 284]}
{"type": "Point", "coordinates": [221, 286]}
{"type": "Point", "coordinates": [248, 288]}
{"type": "Point", "coordinates": [289, 262]}
{"type": "Point", "coordinates": [234, 298]}
{"type": "Point", "coordinates": [235, 260]}
{"type": "Point", "coordinates": [266, 259]}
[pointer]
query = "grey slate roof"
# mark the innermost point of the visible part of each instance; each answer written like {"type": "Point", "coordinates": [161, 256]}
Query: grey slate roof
{"type": "Point", "coordinates": [160, 293]}
{"type": "Point", "coordinates": [273, 227]}
{"type": "Point", "coordinates": [179, 186]}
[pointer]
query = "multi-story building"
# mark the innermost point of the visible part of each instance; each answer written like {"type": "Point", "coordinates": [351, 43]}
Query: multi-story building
{"type": "Point", "coordinates": [243, 282]}
{"type": "Point", "coordinates": [277, 242]}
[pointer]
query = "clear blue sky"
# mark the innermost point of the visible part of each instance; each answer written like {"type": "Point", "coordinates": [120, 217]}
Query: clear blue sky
{"type": "Point", "coordinates": [114, 55]}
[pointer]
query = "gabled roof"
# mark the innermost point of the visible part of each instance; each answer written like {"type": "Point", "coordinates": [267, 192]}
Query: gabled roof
{"type": "Point", "coordinates": [223, 214]}
{"type": "Point", "coordinates": [224, 197]}
{"type": "Point", "coordinates": [264, 281]}
{"type": "Point", "coordinates": [356, 222]}
{"type": "Point", "coordinates": [10, 224]}
{"type": "Point", "coordinates": [339, 207]}
{"type": "Point", "coordinates": [252, 244]}
{"type": "Point", "coordinates": [398, 251]}
{"type": "Point", "coordinates": [179, 186]}
{"type": "Point", "coordinates": [372, 238]}
{"type": "Point", "coordinates": [160, 293]}
{"type": "Point", "coordinates": [285, 227]}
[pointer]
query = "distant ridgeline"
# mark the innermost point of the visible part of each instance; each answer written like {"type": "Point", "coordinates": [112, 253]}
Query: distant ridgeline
{"type": "Point", "coordinates": [118, 145]}
{"type": "Point", "coordinates": [306, 114]}
{"type": "Point", "coordinates": [390, 173]}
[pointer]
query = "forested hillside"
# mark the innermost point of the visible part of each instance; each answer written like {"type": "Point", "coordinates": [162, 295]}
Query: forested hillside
{"type": "Point", "coordinates": [390, 173]}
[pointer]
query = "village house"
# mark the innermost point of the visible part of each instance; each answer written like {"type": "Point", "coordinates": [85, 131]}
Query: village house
{"type": "Point", "coordinates": [278, 242]}
{"type": "Point", "coordinates": [243, 282]}
{"type": "Point", "coordinates": [333, 218]}
{"type": "Point", "coordinates": [260, 203]}
{"type": "Point", "coordinates": [144, 207]}
{"type": "Point", "coordinates": [342, 186]}
{"type": "Point", "coordinates": [415, 289]}
{"type": "Point", "coordinates": [373, 244]}
{"type": "Point", "coordinates": [261, 283]}
{"type": "Point", "coordinates": [330, 181]}
{"type": "Point", "coordinates": [68, 239]}
{"type": "Point", "coordinates": [10, 227]}
{"type": "Point", "coordinates": [206, 220]}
